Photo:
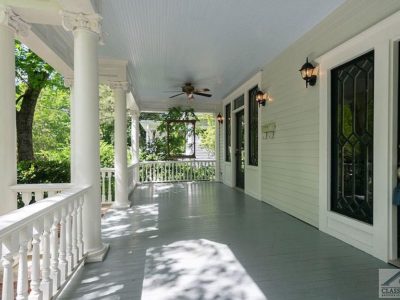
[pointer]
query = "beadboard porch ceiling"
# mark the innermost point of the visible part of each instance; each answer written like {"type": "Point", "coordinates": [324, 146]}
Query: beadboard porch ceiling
{"type": "Point", "coordinates": [214, 44]}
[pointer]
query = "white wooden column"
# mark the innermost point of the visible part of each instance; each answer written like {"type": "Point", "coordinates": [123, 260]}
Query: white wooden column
{"type": "Point", "coordinates": [120, 145]}
{"type": "Point", "coordinates": [85, 137]}
{"type": "Point", "coordinates": [135, 133]}
{"type": "Point", "coordinates": [10, 24]}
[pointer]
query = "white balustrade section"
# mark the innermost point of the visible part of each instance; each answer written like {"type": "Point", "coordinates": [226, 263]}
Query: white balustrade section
{"type": "Point", "coordinates": [133, 176]}
{"type": "Point", "coordinates": [107, 184]}
{"type": "Point", "coordinates": [51, 230]}
{"type": "Point", "coordinates": [37, 192]}
{"type": "Point", "coordinates": [175, 171]}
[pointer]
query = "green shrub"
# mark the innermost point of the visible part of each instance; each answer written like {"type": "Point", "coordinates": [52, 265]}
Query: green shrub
{"type": "Point", "coordinates": [41, 171]}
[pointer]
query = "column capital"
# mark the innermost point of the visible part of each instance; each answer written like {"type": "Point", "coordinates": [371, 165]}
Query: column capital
{"type": "Point", "coordinates": [68, 82]}
{"type": "Point", "coordinates": [10, 19]}
{"type": "Point", "coordinates": [134, 113]}
{"type": "Point", "coordinates": [119, 85]}
{"type": "Point", "coordinates": [75, 21]}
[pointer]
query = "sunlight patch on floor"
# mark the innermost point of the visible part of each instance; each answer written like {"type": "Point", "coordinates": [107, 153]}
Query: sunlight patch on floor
{"type": "Point", "coordinates": [196, 269]}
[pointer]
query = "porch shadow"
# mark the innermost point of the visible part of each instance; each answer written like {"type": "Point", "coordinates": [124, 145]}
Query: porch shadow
{"type": "Point", "coordinates": [196, 269]}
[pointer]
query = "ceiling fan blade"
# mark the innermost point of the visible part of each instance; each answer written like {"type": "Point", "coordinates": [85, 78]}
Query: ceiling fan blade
{"type": "Point", "coordinates": [176, 95]}
{"type": "Point", "coordinates": [202, 94]}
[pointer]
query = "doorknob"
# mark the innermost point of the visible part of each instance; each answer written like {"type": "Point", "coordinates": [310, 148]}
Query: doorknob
{"type": "Point", "coordinates": [398, 173]}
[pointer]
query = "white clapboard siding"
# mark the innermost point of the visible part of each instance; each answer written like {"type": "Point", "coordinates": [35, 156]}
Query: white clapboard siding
{"type": "Point", "coordinates": [291, 159]}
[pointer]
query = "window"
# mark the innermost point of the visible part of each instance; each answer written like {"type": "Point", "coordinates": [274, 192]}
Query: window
{"type": "Point", "coordinates": [253, 127]}
{"type": "Point", "coordinates": [238, 102]}
{"type": "Point", "coordinates": [228, 132]}
{"type": "Point", "coordinates": [352, 100]}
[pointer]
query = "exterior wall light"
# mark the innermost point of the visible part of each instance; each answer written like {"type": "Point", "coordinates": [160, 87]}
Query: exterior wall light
{"type": "Point", "coordinates": [220, 119]}
{"type": "Point", "coordinates": [307, 73]}
{"type": "Point", "coordinates": [262, 98]}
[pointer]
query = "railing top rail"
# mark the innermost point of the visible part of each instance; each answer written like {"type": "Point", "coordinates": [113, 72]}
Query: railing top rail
{"type": "Point", "coordinates": [41, 187]}
{"type": "Point", "coordinates": [18, 219]}
{"type": "Point", "coordinates": [107, 169]}
{"type": "Point", "coordinates": [176, 161]}
{"type": "Point", "coordinates": [133, 165]}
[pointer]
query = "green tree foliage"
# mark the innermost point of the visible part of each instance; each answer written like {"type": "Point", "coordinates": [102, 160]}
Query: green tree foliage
{"type": "Point", "coordinates": [32, 76]}
{"type": "Point", "coordinates": [207, 132]}
{"type": "Point", "coordinates": [51, 127]}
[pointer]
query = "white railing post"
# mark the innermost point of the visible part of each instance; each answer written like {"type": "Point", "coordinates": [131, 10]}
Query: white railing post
{"type": "Point", "coordinates": [109, 197]}
{"type": "Point", "coordinates": [103, 186]}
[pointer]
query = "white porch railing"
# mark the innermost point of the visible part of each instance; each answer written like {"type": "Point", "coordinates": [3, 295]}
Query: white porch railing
{"type": "Point", "coordinates": [157, 171]}
{"type": "Point", "coordinates": [28, 193]}
{"type": "Point", "coordinates": [51, 230]}
{"type": "Point", "coordinates": [175, 171]}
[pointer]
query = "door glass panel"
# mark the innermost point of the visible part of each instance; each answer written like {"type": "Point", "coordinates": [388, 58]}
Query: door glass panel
{"type": "Point", "coordinates": [240, 152]}
{"type": "Point", "coordinates": [352, 138]}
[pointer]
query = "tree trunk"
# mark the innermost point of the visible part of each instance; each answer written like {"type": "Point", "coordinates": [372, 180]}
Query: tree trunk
{"type": "Point", "coordinates": [25, 119]}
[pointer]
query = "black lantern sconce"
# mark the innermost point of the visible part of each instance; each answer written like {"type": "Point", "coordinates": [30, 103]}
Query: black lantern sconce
{"type": "Point", "coordinates": [307, 73]}
{"type": "Point", "coordinates": [220, 119]}
{"type": "Point", "coordinates": [262, 98]}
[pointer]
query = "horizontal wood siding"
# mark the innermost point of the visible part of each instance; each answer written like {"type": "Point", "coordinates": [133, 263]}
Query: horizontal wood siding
{"type": "Point", "coordinates": [290, 160]}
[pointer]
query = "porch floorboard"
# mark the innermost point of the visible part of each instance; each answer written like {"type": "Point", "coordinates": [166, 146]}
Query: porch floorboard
{"type": "Point", "coordinates": [285, 257]}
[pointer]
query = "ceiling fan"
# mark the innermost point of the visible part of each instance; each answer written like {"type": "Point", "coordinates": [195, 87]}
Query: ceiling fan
{"type": "Point", "coordinates": [190, 91]}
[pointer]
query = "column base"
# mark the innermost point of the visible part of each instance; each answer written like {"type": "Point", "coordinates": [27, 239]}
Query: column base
{"type": "Point", "coordinates": [97, 255]}
{"type": "Point", "coordinates": [121, 205]}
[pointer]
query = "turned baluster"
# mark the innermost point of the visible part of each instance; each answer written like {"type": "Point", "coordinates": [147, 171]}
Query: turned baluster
{"type": "Point", "coordinates": [68, 238]}
{"type": "Point", "coordinates": [47, 284]}
{"type": "Point", "coordinates": [7, 260]}
{"type": "Point", "coordinates": [80, 229]}
{"type": "Point", "coordinates": [36, 293]}
{"type": "Point", "coordinates": [75, 250]}
{"type": "Point", "coordinates": [55, 271]}
{"type": "Point", "coordinates": [62, 259]}
{"type": "Point", "coordinates": [22, 284]}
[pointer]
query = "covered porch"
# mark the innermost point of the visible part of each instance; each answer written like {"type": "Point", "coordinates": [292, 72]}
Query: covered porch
{"type": "Point", "coordinates": [298, 202]}
{"type": "Point", "coordinates": [256, 251]}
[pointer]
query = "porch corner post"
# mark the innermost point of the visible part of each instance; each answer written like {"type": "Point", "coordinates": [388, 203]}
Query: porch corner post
{"type": "Point", "coordinates": [217, 150]}
{"type": "Point", "coordinates": [85, 136]}
{"type": "Point", "coordinates": [10, 24]}
{"type": "Point", "coordinates": [120, 145]}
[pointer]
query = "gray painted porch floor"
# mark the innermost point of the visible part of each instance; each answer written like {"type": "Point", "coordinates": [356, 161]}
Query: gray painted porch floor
{"type": "Point", "coordinates": [286, 258]}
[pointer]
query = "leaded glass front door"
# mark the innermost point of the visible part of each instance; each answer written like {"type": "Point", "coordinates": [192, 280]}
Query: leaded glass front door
{"type": "Point", "coordinates": [352, 138]}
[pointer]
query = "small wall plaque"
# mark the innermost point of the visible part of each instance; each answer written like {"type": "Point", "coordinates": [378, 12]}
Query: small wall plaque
{"type": "Point", "coordinates": [268, 130]}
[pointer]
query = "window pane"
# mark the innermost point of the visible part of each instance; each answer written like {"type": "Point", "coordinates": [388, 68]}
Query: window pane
{"type": "Point", "coordinates": [228, 132]}
{"type": "Point", "coordinates": [253, 127]}
{"type": "Point", "coordinates": [352, 138]}
{"type": "Point", "coordinates": [238, 102]}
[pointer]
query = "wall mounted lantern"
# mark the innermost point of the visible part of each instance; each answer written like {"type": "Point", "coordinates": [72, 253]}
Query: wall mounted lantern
{"type": "Point", "coordinates": [262, 98]}
{"type": "Point", "coordinates": [307, 73]}
{"type": "Point", "coordinates": [220, 119]}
